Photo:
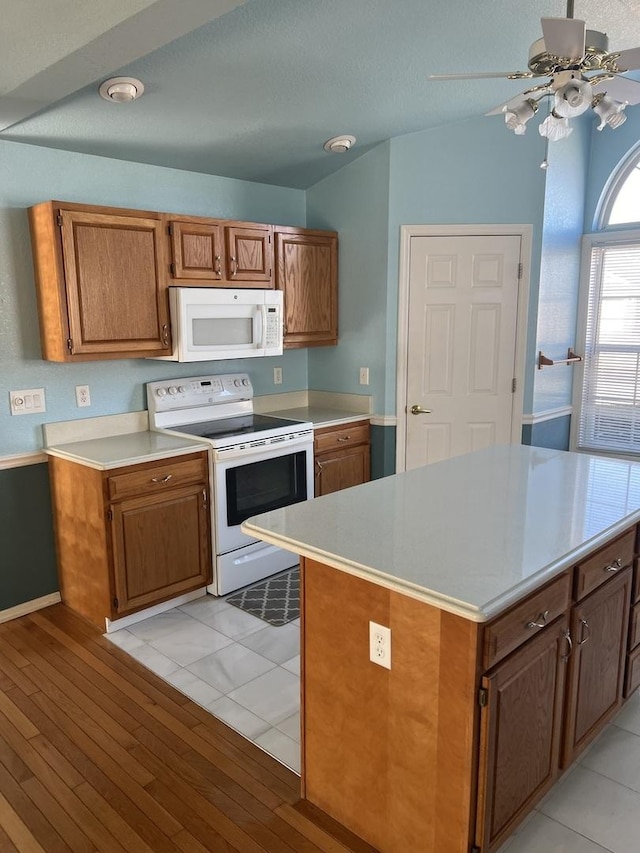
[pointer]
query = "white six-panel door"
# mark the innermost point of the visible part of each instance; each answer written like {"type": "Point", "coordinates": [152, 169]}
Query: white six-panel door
{"type": "Point", "coordinates": [461, 344]}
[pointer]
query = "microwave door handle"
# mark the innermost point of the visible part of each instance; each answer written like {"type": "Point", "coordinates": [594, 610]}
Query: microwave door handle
{"type": "Point", "coordinates": [261, 322]}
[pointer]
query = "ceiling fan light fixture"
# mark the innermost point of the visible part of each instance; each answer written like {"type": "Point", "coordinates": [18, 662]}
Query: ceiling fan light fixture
{"type": "Point", "coordinates": [517, 117]}
{"type": "Point", "coordinates": [555, 127]}
{"type": "Point", "coordinates": [573, 99]}
{"type": "Point", "coordinates": [609, 112]}
{"type": "Point", "coordinates": [121, 90]}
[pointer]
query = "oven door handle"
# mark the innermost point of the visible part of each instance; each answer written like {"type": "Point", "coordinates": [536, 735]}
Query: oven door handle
{"type": "Point", "coordinates": [256, 555]}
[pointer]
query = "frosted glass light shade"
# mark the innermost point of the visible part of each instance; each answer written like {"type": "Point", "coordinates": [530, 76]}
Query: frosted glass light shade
{"type": "Point", "coordinates": [555, 128]}
{"type": "Point", "coordinates": [573, 98]}
{"type": "Point", "coordinates": [517, 117]}
{"type": "Point", "coordinates": [610, 112]}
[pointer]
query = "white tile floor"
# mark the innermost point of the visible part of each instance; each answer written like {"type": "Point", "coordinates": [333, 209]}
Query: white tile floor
{"type": "Point", "coordinates": [243, 670]}
{"type": "Point", "coordinates": [246, 672]}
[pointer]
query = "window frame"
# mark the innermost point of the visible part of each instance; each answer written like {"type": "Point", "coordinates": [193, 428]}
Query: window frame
{"type": "Point", "coordinates": [610, 195]}
{"type": "Point", "coordinates": [603, 238]}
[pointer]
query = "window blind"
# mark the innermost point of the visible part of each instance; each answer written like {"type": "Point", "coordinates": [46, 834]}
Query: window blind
{"type": "Point", "coordinates": [610, 411]}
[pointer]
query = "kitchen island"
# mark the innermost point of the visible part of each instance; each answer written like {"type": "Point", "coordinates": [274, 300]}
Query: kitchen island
{"type": "Point", "coordinates": [507, 580]}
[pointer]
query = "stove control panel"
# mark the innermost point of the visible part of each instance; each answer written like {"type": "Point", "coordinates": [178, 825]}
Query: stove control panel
{"type": "Point", "coordinates": [185, 393]}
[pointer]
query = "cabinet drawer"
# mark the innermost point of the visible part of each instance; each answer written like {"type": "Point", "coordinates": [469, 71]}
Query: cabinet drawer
{"type": "Point", "coordinates": [345, 436]}
{"type": "Point", "coordinates": [632, 678]}
{"type": "Point", "coordinates": [526, 619]}
{"type": "Point", "coordinates": [158, 477]}
{"type": "Point", "coordinates": [598, 568]}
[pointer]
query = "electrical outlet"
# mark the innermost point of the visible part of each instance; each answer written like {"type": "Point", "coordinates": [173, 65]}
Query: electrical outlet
{"type": "Point", "coordinates": [277, 376]}
{"type": "Point", "coordinates": [380, 645]}
{"type": "Point", "coordinates": [27, 402]}
{"type": "Point", "coordinates": [83, 397]}
{"type": "Point", "coordinates": [364, 375]}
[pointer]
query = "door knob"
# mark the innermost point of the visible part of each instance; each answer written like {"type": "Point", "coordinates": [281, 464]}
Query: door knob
{"type": "Point", "coordinates": [418, 410]}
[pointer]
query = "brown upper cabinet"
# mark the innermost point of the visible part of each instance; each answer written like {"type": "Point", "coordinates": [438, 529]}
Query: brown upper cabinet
{"type": "Point", "coordinates": [307, 272]}
{"type": "Point", "coordinates": [100, 283]}
{"type": "Point", "coordinates": [225, 254]}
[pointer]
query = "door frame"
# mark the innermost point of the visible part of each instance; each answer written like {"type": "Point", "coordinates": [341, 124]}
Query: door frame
{"type": "Point", "coordinates": [407, 232]}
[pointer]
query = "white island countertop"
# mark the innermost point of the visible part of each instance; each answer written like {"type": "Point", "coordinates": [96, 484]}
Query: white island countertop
{"type": "Point", "coordinates": [472, 534]}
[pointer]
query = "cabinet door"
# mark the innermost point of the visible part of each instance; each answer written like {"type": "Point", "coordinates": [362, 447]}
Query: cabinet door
{"type": "Point", "coordinates": [160, 547]}
{"type": "Point", "coordinates": [116, 300]}
{"type": "Point", "coordinates": [342, 469]}
{"type": "Point", "coordinates": [307, 272]}
{"type": "Point", "coordinates": [249, 255]}
{"type": "Point", "coordinates": [196, 251]}
{"type": "Point", "coordinates": [520, 733]}
{"type": "Point", "coordinates": [599, 626]}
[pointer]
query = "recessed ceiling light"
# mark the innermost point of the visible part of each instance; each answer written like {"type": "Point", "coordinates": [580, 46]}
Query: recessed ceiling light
{"type": "Point", "coordinates": [121, 89]}
{"type": "Point", "coordinates": [339, 144]}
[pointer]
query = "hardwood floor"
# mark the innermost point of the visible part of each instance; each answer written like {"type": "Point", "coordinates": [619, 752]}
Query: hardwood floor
{"type": "Point", "coordinates": [98, 754]}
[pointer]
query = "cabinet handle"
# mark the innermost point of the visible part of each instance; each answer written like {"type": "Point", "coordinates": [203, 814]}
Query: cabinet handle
{"type": "Point", "coordinates": [542, 621]}
{"type": "Point", "coordinates": [567, 636]}
{"type": "Point", "coordinates": [165, 335]}
{"type": "Point", "coordinates": [346, 438]}
{"type": "Point", "coordinates": [161, 479]}
{"type": "Point", "coordinates": [584, 624]}
{"type": "Point", "coordinates": [319, 466]}
{"type": "Point", "coordinates": [234, 265]}
{"type": "Point", "coordinates": [614, 566]}
{"type": "Point", "coordinates": [217, 269]}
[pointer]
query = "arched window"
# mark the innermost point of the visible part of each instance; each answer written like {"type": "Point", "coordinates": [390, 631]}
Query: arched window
{"type": "Point", "coordinates": [622, 200]}
{"type": "Point", "coordinates": [607, 410]}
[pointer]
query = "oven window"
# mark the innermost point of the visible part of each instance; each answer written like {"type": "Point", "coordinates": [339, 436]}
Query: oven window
{"type": "Point", "coordinates": [224, 331]}
{"type": "Point", "coordinates": [266, 485]}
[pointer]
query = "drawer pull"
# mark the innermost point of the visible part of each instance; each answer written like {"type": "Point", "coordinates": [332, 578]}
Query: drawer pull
{"type": "Point", "coordinates": [542, 621]}
{"type": "Point", "coordinates": [614, 566]}
{"type": "Point", "coordinates": [165, 335]}
{"type": "Point", "coordinates": [567, 636]}
{"type": "Point", "coordinates": [319, 466]}
{"type": "Point", "coordinates": [161, 479]}
{"type": "Point", "coordinates": [344, 438]}
{"type": "Point", "coordinates": [584, 625]}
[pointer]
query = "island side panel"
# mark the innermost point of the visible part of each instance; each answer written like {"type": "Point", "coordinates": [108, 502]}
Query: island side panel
{"type": "Point", "coordinates": [388, 753]}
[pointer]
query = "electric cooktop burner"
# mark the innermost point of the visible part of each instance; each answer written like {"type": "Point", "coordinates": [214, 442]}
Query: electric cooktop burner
{"type": "Point", "coordinates": [241, 425]}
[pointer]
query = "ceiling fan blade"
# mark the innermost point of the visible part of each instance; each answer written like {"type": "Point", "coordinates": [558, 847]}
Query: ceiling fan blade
{"type": "Point", "coordinates": [510, 75]}
{"type": "Point", "coordinates": [564, 37]}
{"type": "Point", "coordinates": [629, 60]}
{"type": "Point", "coordinates": [620, 89]}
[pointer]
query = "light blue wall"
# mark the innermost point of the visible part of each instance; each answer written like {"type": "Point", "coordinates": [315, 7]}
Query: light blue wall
{"type": "Point", "coordinates": [608, 149]}
{"type": "Point", "coordinates": [355, 201]}
{"type": "Point", "coordinates": [560, 265]}
{"type": "Point", "coordinates": [30, 174]}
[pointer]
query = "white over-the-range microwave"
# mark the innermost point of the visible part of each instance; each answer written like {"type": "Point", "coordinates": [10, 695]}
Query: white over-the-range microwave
{"type": "Point", "coordinates": [209, 324]}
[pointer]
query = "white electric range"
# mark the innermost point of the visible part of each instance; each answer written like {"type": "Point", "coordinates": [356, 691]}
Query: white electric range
{"type": "Point", "coordinates": [257, 463]}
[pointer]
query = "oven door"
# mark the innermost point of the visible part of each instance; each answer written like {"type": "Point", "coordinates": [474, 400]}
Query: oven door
{"type": "Point", "coordinates": [255, 480]}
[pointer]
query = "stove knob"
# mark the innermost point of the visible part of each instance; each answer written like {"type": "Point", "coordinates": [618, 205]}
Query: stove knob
{"type": "Point", "coordinates": [245, 381]}
{"type": "Point", "coordinates": [161, 392]}
{"type": "Point", "coordinates": [237, 383]}
{"type": "Point", "coordinates": [181, 389]}
{"type": "Point", "coordinates": [173, 390]}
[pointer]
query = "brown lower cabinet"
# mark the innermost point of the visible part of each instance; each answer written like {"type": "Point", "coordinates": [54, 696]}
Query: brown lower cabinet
{"type": "Point", "coordinates": [474, 722]}
{"type": "Point", "coordinates": [342, 457]}
{"type": "Point", "coordinates": [130, 537]}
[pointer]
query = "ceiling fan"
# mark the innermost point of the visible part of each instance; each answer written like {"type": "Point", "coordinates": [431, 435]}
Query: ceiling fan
{"type": "Point", "coordinates": [582, 74]}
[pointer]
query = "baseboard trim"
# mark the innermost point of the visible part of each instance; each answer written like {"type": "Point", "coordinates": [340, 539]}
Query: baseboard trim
{"type": "Point", "coordinates": [29, 607]}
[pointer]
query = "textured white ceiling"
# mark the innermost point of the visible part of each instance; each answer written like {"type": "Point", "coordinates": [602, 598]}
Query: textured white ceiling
{"type": "Point", "coordinates": [252, 89]}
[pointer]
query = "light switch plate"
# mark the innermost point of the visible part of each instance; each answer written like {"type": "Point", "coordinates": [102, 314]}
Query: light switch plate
{"type": "Point", "coordinates": [27, 402]}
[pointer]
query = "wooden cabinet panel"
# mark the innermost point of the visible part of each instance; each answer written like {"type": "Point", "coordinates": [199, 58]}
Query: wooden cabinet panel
{"type": "Point", "coordinates": [342, 457]}
{"type": "Point", "coordinates": [197, 250]}
{"type": "Point", "coordinates": [635, 595]}
{"type": "Point", "coordinates": [598, 568]}
{"type": "Point", "coordinates": [307, 272]}
{"type": "Point", "coordinates": [632, 679]}
{"type": "Point", "coordinates": [101, 286]}
{"type": "Point", "coordinates": [634, 627]}
{"type": "Point", "coordinates": [249, 253]}
{"type": "Point", "coordinates": [520, 733]}
{"type": "Point", "coordinates": [160, 476]}
{"type": "Point", "coordinates": [160, 547]}
{"type": "Point", "coordinates": [523, 621]}
{"type": "Point", "coordinates": [599, 625]}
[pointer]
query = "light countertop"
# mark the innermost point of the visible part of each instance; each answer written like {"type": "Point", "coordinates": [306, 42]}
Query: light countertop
{"type": "Point", "coordinates": [320, 416]}
{"type": "Point", "coordinates": [471, 535]}
{"type": "Point", "coordinates": [127, 449]}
